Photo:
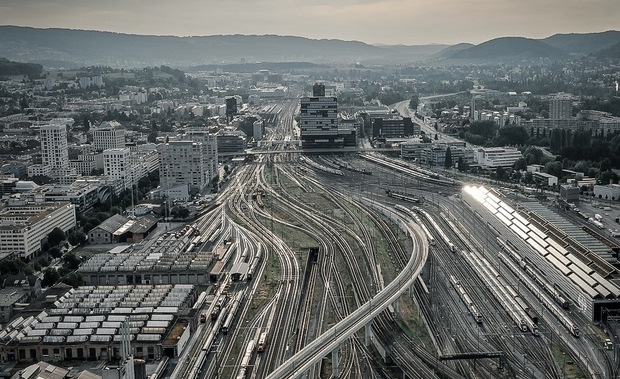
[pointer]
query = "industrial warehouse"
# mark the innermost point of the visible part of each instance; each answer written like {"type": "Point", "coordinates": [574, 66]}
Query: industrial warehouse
{"type": "Point", "coordinates": [571, 265]}
{"type": "Point", "coordinates": [182, 257]}
{"type": "Point", "coordinates": [85, 324]}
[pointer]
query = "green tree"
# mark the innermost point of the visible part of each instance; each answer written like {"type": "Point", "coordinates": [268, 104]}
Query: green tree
{"type": "Point", "coordinates": [448, 158]}
{"type": "Point", "coordinates": [513, 135]}
{"type": "Point", "coordinates": [500, 173]}
{"type": "Point", "coordinates": [55, 252]}
{"type": "Point", "coordinates": [414, 102]}
{"type": "Point", "coordinates": [56, 236]}
{"type": "Point", "coordinates": [11, 266]}
{"type": "Point", "coordinates": [520, 164]}
{"type": "Point", "coordinates": [487, 129]}
{"type": "Point", "coordinates": [554, 168]}
{"type": "Point", "coordinates": [50, 277]}
{"type": "Point", "coordinates": [180, 212]}
{"type": "Point", "coordinates": [71, 261]}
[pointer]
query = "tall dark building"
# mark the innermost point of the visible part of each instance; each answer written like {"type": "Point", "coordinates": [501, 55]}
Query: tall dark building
{"type": "Point", "coordinates": [318, 89]}
{"type": "Point", "coordinates": [231, 108]}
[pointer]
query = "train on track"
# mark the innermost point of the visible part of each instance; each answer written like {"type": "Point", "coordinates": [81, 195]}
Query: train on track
{"type": "Point", "coordinates": [233, 310]}
{"type": "Point", "coordinates": [220, 303]}
{"type": "Point", "coordinates": [473, 309]}
{"type": "Point", "coordinates": [535, 289]}
{"type": "Point", "coordinates": [262, 342]}
{"type": "Point", "coordinates": [402, 196]}
{"type": "Point", "coordinates": [246, 360]}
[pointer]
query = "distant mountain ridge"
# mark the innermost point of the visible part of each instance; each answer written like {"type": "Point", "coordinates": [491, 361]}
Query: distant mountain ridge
{"type": "Point", "coordinates": [74, 48]}
{"type": "Point", "coordinates": [510, 47]}
{"type": "Point", "coordinates": [82, 47]}
{"type": "Point", "coordinates": [583, 43]}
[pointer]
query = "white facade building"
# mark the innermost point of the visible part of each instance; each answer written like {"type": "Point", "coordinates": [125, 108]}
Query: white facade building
{"type": "Point", "coordinates": [182, 162]}
{"type": "Point", "coordinates": [117, 165]}
{"type": "Point", "coordinates": [54, 146]}
{"type": "Point", "coordinates": [607, 192]}
{"type": "Point", "coordinates": [257, 130]}
{"type": "Point", "coordinates": [39, 170]}
{"type": "Point", "coordinates": [209, 148]}
{"type": "Point", "coordinates": [23, 228]}
{"type": "Point", "coordinates": [494, 157]}
{"type": "Point", "coordinates": [108, 136]}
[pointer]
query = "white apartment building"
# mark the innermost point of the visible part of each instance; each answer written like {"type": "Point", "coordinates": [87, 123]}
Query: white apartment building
{"type": "Point", "coordinates": [117, 166]}
{"type": "Point", "coordinates": [39, 170]}
{"type": "Point", "coordinates": [257, 130]}
{"type": "Point", "coordinates": [209, 149]}
{"type": "Point", "coordinates": [23, 228]}
{"type": "Point", "coordinates": [86, 163]}
{"type": "Point", "coordinates": [54, 146]}
{"type": "Point", "coordinates": [108, 136]}
{"type": "Point", "coordinates": [494, 157]}
{"type": "Point", "coordinates": [182, 162]}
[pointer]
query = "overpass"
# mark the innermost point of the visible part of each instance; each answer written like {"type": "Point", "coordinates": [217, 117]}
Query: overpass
{"type": "Point", "coordinates": [362, 317]}
{"type": "Point", "coordinates": [331, 150]}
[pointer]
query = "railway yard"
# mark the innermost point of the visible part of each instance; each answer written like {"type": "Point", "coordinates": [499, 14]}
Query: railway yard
{"type": "Point", "coordinates": [350, 266]}
{"type": "Point", "coordinates": [334, 242]}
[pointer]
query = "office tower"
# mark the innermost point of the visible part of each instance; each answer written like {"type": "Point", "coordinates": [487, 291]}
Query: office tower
{"type": "Point", "coordinates": [231, 108]}
{"type": "Point", "coordinates": [319, 120]}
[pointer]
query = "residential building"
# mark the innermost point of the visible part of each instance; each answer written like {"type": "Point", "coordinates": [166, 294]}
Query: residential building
{"type": "Point", "coordinates": [231, 107]}
{"type": "Point", "coordinates": [23, 228]}
{"type": "Point", "coordinates": [182, 162]}
{"type": "Point", "coordinates": [39, 170]}
{"type": "Point", "coordinates": [117, 164]}
{"type": "Point", "coordinates": [108, 135]}
{"type": "Point", "coordinates": [209, 148]}
{"type": "Point", "coordinates": [86, 163]}
{"type": "Point", "coordinates": [494, 157]}
{"type": "Point", "coordinates": [54, 146]}
{"type": "Point", "coordinates": [561, 106]}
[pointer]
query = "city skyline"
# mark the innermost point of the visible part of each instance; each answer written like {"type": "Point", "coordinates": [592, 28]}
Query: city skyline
{"type": "Point", "coordinates": [371, 21]}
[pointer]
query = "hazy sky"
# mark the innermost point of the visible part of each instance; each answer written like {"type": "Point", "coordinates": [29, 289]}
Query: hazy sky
{"type": "Point", "coordinates": [372, 21]}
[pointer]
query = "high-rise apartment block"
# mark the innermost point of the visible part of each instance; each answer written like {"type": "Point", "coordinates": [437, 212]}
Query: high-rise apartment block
{"type": "Point", "coordinates": [108, 135]}
{"type": "Point", "coordinates": [209, 148]}
{"type": "Point", "coordinates": [561, 106]}
{"type": "Point", "coordinates": [54, 147]}
{"type": "Point", "coordinates": [117, 165]}
{"type": "Point", "coordinates": [183, 163]}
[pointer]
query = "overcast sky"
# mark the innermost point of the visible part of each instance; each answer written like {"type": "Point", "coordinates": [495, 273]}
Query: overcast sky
{"type": "Point", "coordinates": [373, 21]}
